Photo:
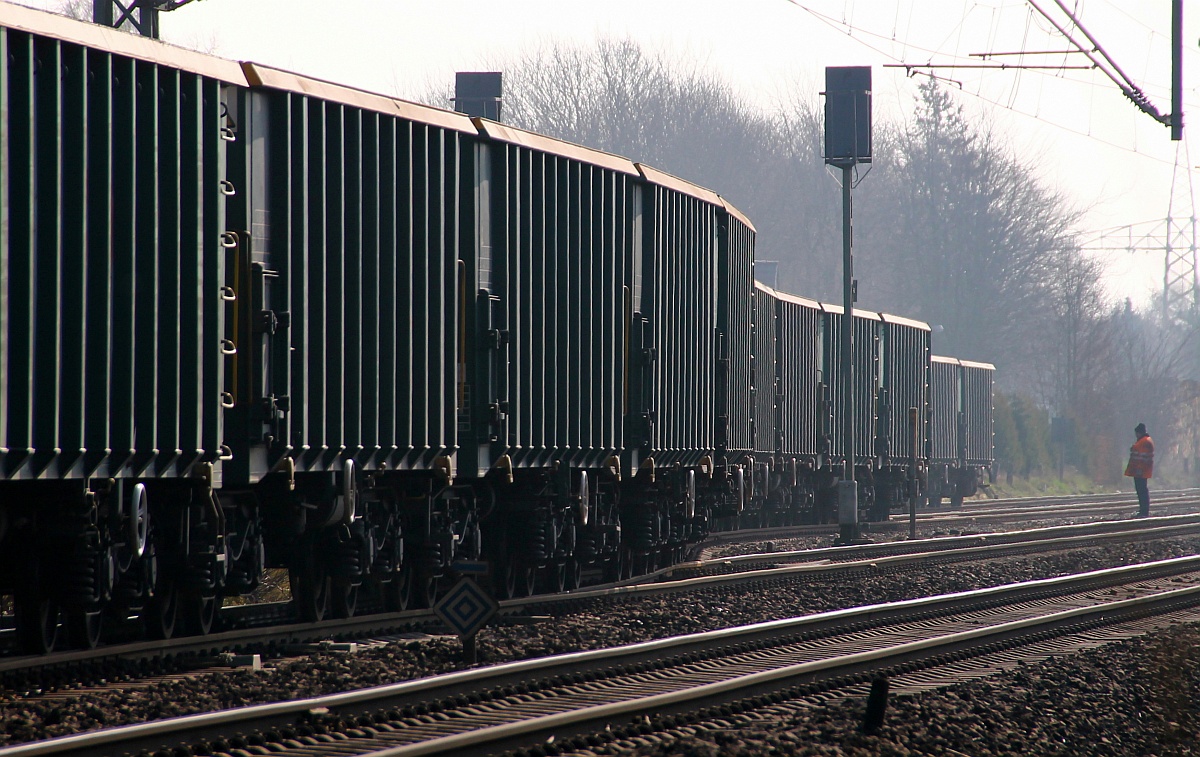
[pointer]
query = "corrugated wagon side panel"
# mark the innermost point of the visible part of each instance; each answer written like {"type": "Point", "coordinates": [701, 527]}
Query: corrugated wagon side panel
{"type": "Point", "coordinates": [831, 377]}
{"type": "Point", "coordinates": [866, 382]}
{"type": "Point", "coordinates": [170, 270]}
{"type": "Point", "coordinates": [6, 296]}
{"type": "Point", "coordinates": [49, 382]}
{"type": "Point", "coordinates": [801, 335]}
{"type": "Point", "coordinates": [100, 264]}
{"type": "Point", "coordinates": [363, 203]}
{"type": "Point", "coordinates": [905, 372]}
{"type": "Point", "coordinates": [562, 239]}
{"type": "Point", "coordinates": [75, 256]}
{"type": "Point", "coordinates": [369, 307]}
{"type": "Point", "coordinates": [111, 263]}
{"type": "Point", "coordinates": [146, 357]}
{"type": "Point", "coordinates": [977, 403]}
{"type": "Point", "coordinates": [735, 287]}
{"type": "Point", "coordinates": [764, 374]}
{"type": "Point", "coordinates": [124, 239]}
{"type": "Point", "coordinates": [193, 285]}
{"type": "Point", "coordinates": [19, 268]}
{"type": "Point", "coordinates": [866, 385]}
{"type": "Point", "coordinates": [681, 285]}
{"type": "Point", "coordinates": [944, 399]}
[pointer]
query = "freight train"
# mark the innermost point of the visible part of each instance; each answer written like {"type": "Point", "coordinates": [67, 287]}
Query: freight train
{"type": "Point", "coordinates": [255, 320]}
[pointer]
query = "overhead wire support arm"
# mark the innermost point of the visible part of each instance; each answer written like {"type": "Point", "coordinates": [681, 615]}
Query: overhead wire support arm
{"type": "Point", "coordinates": [1010, 66]}
{"type": "Point", "coordinates": [1106, 64]}
{"type": "Point", "coordinates": [1027, 52]}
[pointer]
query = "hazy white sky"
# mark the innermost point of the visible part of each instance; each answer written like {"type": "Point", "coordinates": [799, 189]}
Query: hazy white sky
{"type": "Point", "coordinates": [1087, 139]}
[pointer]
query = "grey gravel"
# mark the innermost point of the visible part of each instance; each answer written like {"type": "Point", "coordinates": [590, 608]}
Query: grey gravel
{"type": "Point", "coordinates": [606, 623]}
{"type": "Point", "coordinates": [1135, 698]}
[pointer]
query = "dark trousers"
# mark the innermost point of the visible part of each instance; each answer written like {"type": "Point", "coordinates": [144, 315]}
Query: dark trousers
{"type": "Point", "coordinates": [1143, 492]}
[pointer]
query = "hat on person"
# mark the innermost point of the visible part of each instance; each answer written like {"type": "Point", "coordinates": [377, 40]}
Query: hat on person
{"type": "Point", "coordinates": [1139, 428]}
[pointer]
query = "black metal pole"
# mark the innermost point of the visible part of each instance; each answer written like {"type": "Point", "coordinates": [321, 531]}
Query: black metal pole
{"type": "Point", "coordinates": [1177, 70]}
{"type": "Point", "coordinates": [913, 485]}
{"type": "Point", "coordinates": [102, 12]}
{"type": "Point", "coordinates": [848, 488]}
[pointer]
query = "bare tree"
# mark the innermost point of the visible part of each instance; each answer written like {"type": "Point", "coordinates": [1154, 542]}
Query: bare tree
{"type": "Point", "coordinates": [80, 10]}
{"type": "Point", "coordinates": [1077, 339]}
{"type": "Point", "coordinates": [964, 236]}
{"type": "Point", "coordinates": [616, 96]}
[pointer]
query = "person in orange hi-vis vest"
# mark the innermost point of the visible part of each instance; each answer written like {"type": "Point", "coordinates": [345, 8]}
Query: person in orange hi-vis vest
{"type": "Point", "coordinates": [1141, 467]}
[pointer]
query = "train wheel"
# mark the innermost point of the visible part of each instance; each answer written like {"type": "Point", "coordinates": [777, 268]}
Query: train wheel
{"type": "Point", "coordinates": [199, 613]}
{"type": "Point", "coordinates": [398, 593]}
{"type": "Point", "coordinates": [343, 600]}
{"type": "Point", "coordinates": [611, 571]}
{"type": "Point", "coordinates": [163, 611]}
{"type": "Point", "coordinates": [508, 580]}
{"type": "Point", "coordinates": [627, 563]}
{"type": "Point", "coordinates": [574, 574]}
{"type": "Point", "coordinates": [556, 577]}
{"type": "Point", "coordinates": [427, 590]}
{"type": "Point", "coordinates": [956, 502]}
{"type": "Point", "coordinates": [310, 592]}
{"type": "Point", "coordinates": [83, 628]}
{"type": "Point", "coordinates": [527, 580]}
{"type": "Point", "coordinates": [39, 620]}
{"type": "Point", "coordinates": [645, 563]}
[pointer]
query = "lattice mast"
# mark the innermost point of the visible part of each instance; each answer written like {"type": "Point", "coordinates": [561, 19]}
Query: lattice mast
{"type": "Point", "coordinates": [140, 15]}
{"type": "Point", "coordinates": [1181, 289]}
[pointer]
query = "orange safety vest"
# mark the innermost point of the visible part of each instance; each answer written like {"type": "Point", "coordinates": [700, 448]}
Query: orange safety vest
{"type": "Point", "coordinates": [1141, 458]}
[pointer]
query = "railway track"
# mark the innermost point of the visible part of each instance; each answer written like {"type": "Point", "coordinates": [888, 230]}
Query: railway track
{"type": "Point", "coordinates": [570, 699]}
{"type": "Point", "coordinates": [238, 621]}
{"type": "Point", "coordinates": [974, 515]}
{"type": "Point", "coordinates": [744, 572]}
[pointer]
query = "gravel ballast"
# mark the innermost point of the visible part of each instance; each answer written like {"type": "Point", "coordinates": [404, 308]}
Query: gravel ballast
{"type": "Point", "coordinates": [607, 623]}
{"type": "Point", "coordinates": [1136, 698]}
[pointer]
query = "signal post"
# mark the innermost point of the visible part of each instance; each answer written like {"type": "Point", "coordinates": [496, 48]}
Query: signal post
{"type": "Point", "coordinates": [848, 143]}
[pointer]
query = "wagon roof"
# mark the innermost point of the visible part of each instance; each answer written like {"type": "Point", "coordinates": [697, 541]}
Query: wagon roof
{"type": "Point", "coordinates": [731, 210]}
{"type": "Point", "coordinates": [118, 42]}
{"type": "Point", "coordinates": [798, 300]}
{"type": "Point", "coordinates": [534, 141]}
{"type": "Point", "coordinates": [259, 75]}
{"type": "Point", "coordinates": [902, 321]}
{"type": "Point", "coordinates": [976, 364]}
{"type": "Point", "coordinates": [869, 315]}
{"type": "Point", "coordinates": [664, 179]}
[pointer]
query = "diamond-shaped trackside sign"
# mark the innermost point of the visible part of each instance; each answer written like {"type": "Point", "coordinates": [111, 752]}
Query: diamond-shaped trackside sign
{"type": "Point", "coordinates": [466, 607]}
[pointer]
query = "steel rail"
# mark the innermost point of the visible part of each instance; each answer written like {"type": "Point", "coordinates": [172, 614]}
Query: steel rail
{"type": "Point", "coordinates": [1155, 527]}
{"type": "Point", "coordinates": [169, 734]}
{"type": "Point", "coordinates": [876, 557]}
{"type": "Point", "coordinates": [972, 511]}
{"type": "Point", "coordinates": [577, 722]}
{"type": "Point", "coordinates": [848, 559]}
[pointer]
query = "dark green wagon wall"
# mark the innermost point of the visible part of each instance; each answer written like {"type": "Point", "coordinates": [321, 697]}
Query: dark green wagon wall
{"type": "Point", "coordinates": [561, 237]}
{"type": "Point", "coordinates": [114, 155]}
{"type": "Point", "coordinates": [677, 422]}
{"type": "Point", "coordinates": [977, 380]}
{"type": "Point", "coordinates": [905, 379]}
{"type": "Point", "coordinates": [945, 398]}
{"type": "Point", "coordinates": [764, 379]}
{"type": "Point", "coordinates": [359, 212]}
{"type": "Point", "coordinates": [866, 380]}
{"type": "Point", "coordinates": [961, 399]}
{"type": "Point", "coordinates": [735, 334]}
{"type": "Point", "coordinates": [805, 417]}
